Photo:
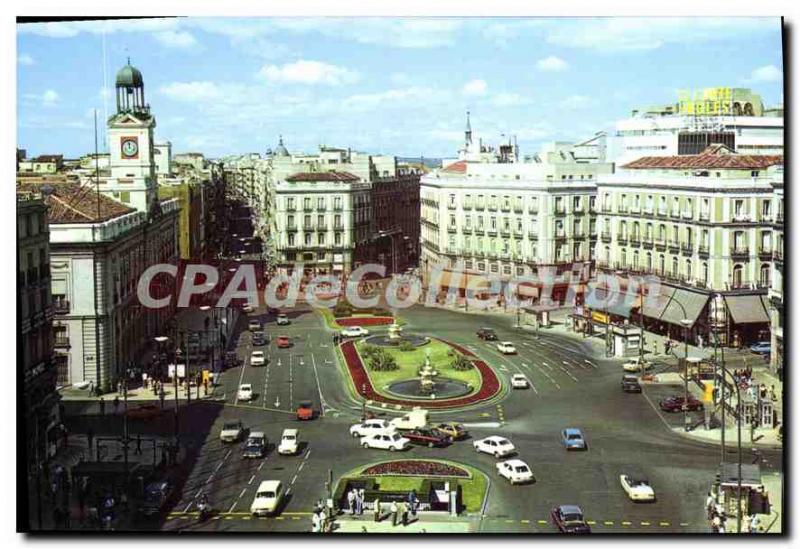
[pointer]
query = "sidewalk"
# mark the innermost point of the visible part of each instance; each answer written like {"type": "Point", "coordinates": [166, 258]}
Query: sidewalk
{"type": "Point", "coordinates": [425, 523]}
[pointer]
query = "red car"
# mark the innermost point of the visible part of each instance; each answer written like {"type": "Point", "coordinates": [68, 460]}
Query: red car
{"type": "Point", "coordinates": [427, 437]}
{"type": "Point", "coordinates": [305, 410]}
{"type": "Point", "coordinates": [146, 411]}
{"type": "Point", "coordinates": [283, 342]}
{"type": "Point", "coordinates": [675, 404]}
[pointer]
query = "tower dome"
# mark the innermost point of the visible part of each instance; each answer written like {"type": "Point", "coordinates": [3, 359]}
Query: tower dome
{"type": "Point", "coordinates": [129, 76]}
{"type": "Point", "coordinates": [130, 90]}
{"type": "Point", "coordinates": [280, 150]}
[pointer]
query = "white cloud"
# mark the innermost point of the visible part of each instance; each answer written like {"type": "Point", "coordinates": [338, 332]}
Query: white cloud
{"type": "Point", "coordinates": [575, 102]}
{"type": "Point", "coordinates": [476, 87]}
{"type": "Point", "coordinates": [767, 73]}
{"type": "Point", "coordinates": [68, 29]}
{"type": "Point", "coordinates": [616, 34]}
{"type": "Point", "coordinates": [191, 91]}
{"type": "Point", "coordinates": [25, 60]}
{"type": "Point", "coordinates": [401, 97]}
{"type": "Point", "coordinates": [177, 39]}
{"type": "Point", "coordinates": [508, 100]}
{"type": "Point", "coordinates": [49, 98]}
{"type": "Point", "coordinates": [551, 64]}
{"type": "Point", "coordinates": [308, 72]}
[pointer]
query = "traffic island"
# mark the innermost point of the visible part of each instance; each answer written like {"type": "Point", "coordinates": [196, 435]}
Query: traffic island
{"type": "Point", "coordinates": [443, 488]}
{"type": "Point", "coordinates": [377, 383]}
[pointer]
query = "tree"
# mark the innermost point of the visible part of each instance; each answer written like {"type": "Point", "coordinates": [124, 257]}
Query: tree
{"type": "Point", "coordinates": [462, 364]}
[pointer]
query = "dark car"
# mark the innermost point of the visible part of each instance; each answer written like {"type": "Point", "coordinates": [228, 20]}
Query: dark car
{"type": "Point", "coordinates": [569, 519]}
{"type": "Point", "coordinates": [630, 384]}
{"type": "Point", "coordinates": [675, 404]}
{"type": "Point", "coordinates": [156, 498]}
{"type": "Point", "coordinates": [259, 339]}
{"type": "Point", "coordinates": [232, 360]}
{"type": "Point", "coordinates": [761, 348]}
{"type": "Point", "coordinates": [428, 437]}
{"type": "Point", "coordinates": [487, 334]}
{"type": "Point", "coordinates": [255, 446]}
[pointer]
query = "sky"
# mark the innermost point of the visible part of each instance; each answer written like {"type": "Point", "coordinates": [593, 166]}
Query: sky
{"type": "Point", "coordinates": [382, 85]}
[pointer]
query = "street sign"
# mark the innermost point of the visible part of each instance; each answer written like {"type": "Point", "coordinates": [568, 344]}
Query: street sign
{"type": "Point", "coordinates": [181, 370]}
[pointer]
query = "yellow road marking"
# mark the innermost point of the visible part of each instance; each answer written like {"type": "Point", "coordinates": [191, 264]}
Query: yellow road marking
{"type": "Point", "coordinates": [278, 518]}
{"type": "Point", "coordinates": [542, 521]}
{"type": "Point", "coordinates": [525, 521]}
{"type": "Point", "coordinates": [509, 521]}
{"type": "Point", "coordinates": [626, 523]}
{"type": "Point", "coordinates": [229, 517]}
{"type": "Point", "coordinates": [590, 522]}
{"type": "Point", "coordinates": [608, 522]}
{"type": "Point", "coordinates": [644, 523]}
{"type": "Point", "coordinates": [246, 518]}
{"type": "Point", "coordinates": [663, 523]}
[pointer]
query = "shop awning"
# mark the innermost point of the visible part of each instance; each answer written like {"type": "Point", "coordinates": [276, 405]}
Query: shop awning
{"type": "Point", "coordinates": [747, 309]}
{"type": "Point", "coordinates": [693, 302]}
{"type": "Point", "coordinates": [654, 304]}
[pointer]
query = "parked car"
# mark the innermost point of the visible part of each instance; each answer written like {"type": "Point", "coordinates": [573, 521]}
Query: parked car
{"type": "Point", "coordinates": [637, 488]}
{"type": "Point", "coordinates": [288, 445]}
{"type": "Point", "coordinates": [630, 384]}
{"type": "Point", "coordinates": [268, 498]}
{"type": "Point", "coordinates": [761, 348]}
{"type": "Point", "coordinates": [414, 419]}
{"type": "Point", "coordinates": [231, 431]}
{"type": "Point", "coordinates": [283, 342]}
{"type": "Point", "coordinates": [572, 439]}
{"type": "Point", "coordinates": [637, 365]}
{"type": "Point", "coordinates": [385, 441]}
{"type": "Point", "coordinates": [156, 497]}
{"type": "Point", "coordinates": [245, 392]}
{"type": "Point", "coordinates": [427, 437]}
{"type": "Point", "coordinates": [305, 410]}
{"type": "Point", "coordinates": [258, 339]}
{"type": "Point", "coordinates": [247, 308]}
{"type": "Point", "coordinates": [146, 411]}
{"type": "Point", "coordinates": [283, 320]}
{"type": "Point", "coordinates": [257, 358]}
{"type": "Point", "coordinates": [354, 331]}
{"type": "Point", "coordinates": [519, 381]}
{"type": "Point", "coordinates": [454, 430]}
{"type": "Point", "coordinates": [494, 445]}
{"type": "Point", "coordinates": [515, 471]}
{"type": "Point", "coordinates": [254, 325]}
{"type": "Point", "coordinates": [232, 360]}
{"type": "Point", "coordinates": [675, 404]}
{"type": "Point", "coordinates": [255, 446]}
{"type": "Point", "coordinates": [370, 427]}
{"type": "Point", "coordinates": [569, 519]}
{"type": "Point", "coordinates": [507, 348]}
{"type": "Point", "coordinates": [487, 334]}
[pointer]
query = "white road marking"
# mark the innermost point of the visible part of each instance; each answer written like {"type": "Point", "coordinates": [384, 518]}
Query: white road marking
{"type": "Point", "coordinates": [319, 389]}
{"type": "Point", "coordinates": [233, 506]}
{"type": "Point", "coordinates": [241, 378]}
{"type": "Point", "coordinates": [575, 379]}
{"type": "Point", "coordinates": [301, 466]}
{"type": "Point", "coordinates": [249, 482]}
{"type": "Point", "coordinates": [590, 363]}
{"type": "Point", "coordinates": [484, 425]}
{"type": "Point", "coordinates": [243, 491]}
{"type": "Point", "coordinates": [260, 466]}
{"type": "Point", "coordinates": [294, 479]}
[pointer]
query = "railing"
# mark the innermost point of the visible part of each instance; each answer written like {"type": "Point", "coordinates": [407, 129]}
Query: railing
{"type": "Point", "coordinates": [505, 208]}
{"type": "Point", "coordinates": [60, 306]}
{"type": "Point", "coordinates": [291, 227]}
{"type": "Point", "coordinates": [661, 244]}
{"type": "Point", "coordinates": [605, 237]}
{"type": "Point", "coordinates": [60, 342]}
{"type": "Point", "coordinates": [704, 216]}
{"type": "Point", "coordinates": [480, 231]}
{"type": "Point", "coordinates": [673, 245]}
{"type": "Point", "coordinates": [533, 236]}
{"type": "Point", "coordinates": [466, 206]}
{"type": "Point", "coordinates": [675, 213]}
{"type": "Point", "coordinates": [662, 212]}
{"type": "Point", "coordinates": [740, 251]}
{"type": "Point", "coordinates": [622, 240]}
{"type": "Point", "coordinates": [687, 214]}
{"type": "Point", "coordinates": [765, 254]}
{"type": "Point", "coordinates": [622, 209]}
{"type": "Point", "coordinates": [635, 240]}
{"type": "Point", "coordinates": [777, 255]}
{"type": "Point", "coordinates": [687, 248]}
{"type": "Point", "coordinates": [702, 250]}
{"type": "Point", "coordinates": [605, 209]}
{"type": "Point", "coordinates": [452, 229]}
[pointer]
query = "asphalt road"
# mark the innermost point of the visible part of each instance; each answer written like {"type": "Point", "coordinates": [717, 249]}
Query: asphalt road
{"type": "Point", "coordinates": [571, 387]}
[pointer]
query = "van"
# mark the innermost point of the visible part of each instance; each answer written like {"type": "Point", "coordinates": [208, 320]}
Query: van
{"type": "Point", "coordinates": [288, 445]}
{"type": "Point", "coordinates": [415, 419]}
{"type": "Point", "coordinates": [268, 498]}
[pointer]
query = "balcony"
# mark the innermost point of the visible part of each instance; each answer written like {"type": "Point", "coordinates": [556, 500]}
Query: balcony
{"type": "Point", "coordinates": [479, 231]}
{"type": "Point", "coordinates": [559, 210]}
{"type": "Point", "coordinates": [505, 208]}
{"type": "Point", "coordinates": [505, 232]}
{"type": "Point", "coordinates": [704, 216]}
{"type": "Point", "coordinates": [765, 254]}
{"type": "Point", "coordinates": [61, 342]}
{"type": "Point", "coordinates": [648, 210]}
{"type": "Point", "coordinates": [338, 227]}
{"type": "Point", "coordinates": [606, 208]}
{"type": "Point", "coordinates": [480, 206]}
{"type": "Point", "coordinates": [647, 243]}
{"type": "Point", "coordinates": [702, 251]}
{"type": "Point", "coordinates": [622, 239]}
{"type": "Point", "coordinates": [492, 207]}
{"type": "Point", "coordinates": [577, 210]}
{"type": "Point", "coordinates": [533, 235]}
{"type": "Point", "coordinates": [452, 229]}
{"type": "Point", "coordinates": [291, 228]}
{"type": "Point", "coordinates": [661, 244]}
{"type": "Point", "coordinates": [466, 206]}
{"type": "Point", "coordinates": [675, 213]}
{"type": "Point", "coordinates": [687, 214]}
{"type": "Point", "coordinates": [606, 237]}
{"type": "Point", "coordinates": [779, 217]}
{"type": "Point", "coordinates": [674, 246]}
{"type": "Point", "coordinates": [491, 232]}
{"type": "Point", "coordinates": [777, 255]}
{"type": "Point", "coordinates": [622, 209]}
{"type": "Point", "coordinates": [687, 249]}
{"type": "Point", "coordinates": [740, 252]}
{"type": "Point", "coordinates": [337, 207]}
{"type": "Point", "coordinates": [466, 230]}
{"type": "Point", "coordinates": [533, 210]}
{"type": "Point", "coordinates": [322, 228]}
{"type": "Point", "coordinates": [308, 209]}
{"type": "Point", "coordinates": [321, 208]}
{"type": "Point", "coordinates": [60, 306]}
{"type": "Point", "coordinates": [519, 233]}
{"type": "Point", "coordinates": [662, 212]}
{"type": "Point", "coordinates": [636, 240]}
{"type": "Point", "coordinates": [560, 237]}
{"type": "Point", "coordinates": [451, 205]}
{"type": "Point", "coordinates": [518, 208]}
{"type": "Point", "coordinates": [579, 236]}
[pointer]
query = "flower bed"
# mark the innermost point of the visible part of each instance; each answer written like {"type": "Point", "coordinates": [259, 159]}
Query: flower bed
{"type": "Point", "coordinates": [416, 467]}
{"type": "Point", "coordinates": [365, 321]}
{"type": "Point", "coordinates": [490, 384]}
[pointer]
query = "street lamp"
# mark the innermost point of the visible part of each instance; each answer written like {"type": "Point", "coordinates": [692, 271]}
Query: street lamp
{"type": "Point", "coordinates": [686, 325]}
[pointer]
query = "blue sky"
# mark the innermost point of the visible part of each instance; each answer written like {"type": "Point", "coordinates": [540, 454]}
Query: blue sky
{"type": "Point", "coordinates": [389, 85]}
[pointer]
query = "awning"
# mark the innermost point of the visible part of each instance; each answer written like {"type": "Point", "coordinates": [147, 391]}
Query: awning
{"type": "Point", "coordinates": [693, 302]}
{"type": "Point", "coordinates": [746, 309]}
{"type": "Point", "coordinates": [655, 303]}
{"type": "Point", "coordinates": [751, 474]}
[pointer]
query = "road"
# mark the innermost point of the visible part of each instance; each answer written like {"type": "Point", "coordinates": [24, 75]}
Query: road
{"type": "Point", "coordinates": [570, 387]}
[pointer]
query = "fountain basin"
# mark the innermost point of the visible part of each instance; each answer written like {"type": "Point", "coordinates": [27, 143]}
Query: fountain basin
{"type": "Point", "coordinates": [442, 388]}
{"type": "Point", "coordinates": [385, 341]}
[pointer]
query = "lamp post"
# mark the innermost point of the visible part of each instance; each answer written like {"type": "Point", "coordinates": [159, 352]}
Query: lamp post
{"type": "Point", "coordinates": [175, 378]}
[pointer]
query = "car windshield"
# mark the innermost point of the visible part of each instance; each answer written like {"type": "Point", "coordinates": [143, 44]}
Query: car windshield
{"type": "Point", "coordinates": [267, 494]}
{"type": "Point", "coordinates": [521, 469]}
{"type": "Point", "coordinates": [255, 441]}
{"type": "Point", "coordinates": [230, 426]}
{"type": "Point", "coordinates": [572, 517]}
{"type": "Point", "coordinates": [574, 436]}
{"type": "Point", "coordinates": [503, 442]}
{"type": "Point", "coordinates": [288, 437]}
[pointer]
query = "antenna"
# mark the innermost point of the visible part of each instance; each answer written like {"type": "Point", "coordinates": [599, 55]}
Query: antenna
{"type": "Point", "coordinates": [105, 82]}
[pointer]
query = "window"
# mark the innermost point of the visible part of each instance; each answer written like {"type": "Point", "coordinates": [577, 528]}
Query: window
{"type": "Point", "coordinates": [337, 221]}
{"type": "Point", "coordinates": [338, 239]}
{"type": "Point", "coordinates": [674, 266]}
{"type": "Point", "coordinates": [452, 200]}
{"type": "Point", "coordinates": [320, 221]}
{"type": "Point", "coordinates": [452, 221]}
{"type": "Point", "coordinates": [321, 203]}
{"type": "Point", "coordinates": [763, 278]}
{"type": "Point", "coordinates": [576, 203]}
{"type": "Point", "coordinates": [704, 272]}
{"type": "Point", "coordinates": [291, 239]}
{"type": "Point", "coordinates": [321, 239]}
{"type": "Point", "coordinates": [737, 276]}
{"type": "Point", "coordinates": [337, 202]}
{"type": "Point", "coordinates": [290, 221]}
{"type": "Point", "coordinates": [290, 203]}
{"type": "Point", "coordinates": [307, 203]}
{"type": "Point", "coordinates": [306, 221]}
{"type": "Point", "coordinates": [307, 239]}
{"type": "Point", "coordinates": [649, 261]}
{"type": "Point", "coordinates": [689, 268]}
{"type": "Point", "coordinates": [738, 209]}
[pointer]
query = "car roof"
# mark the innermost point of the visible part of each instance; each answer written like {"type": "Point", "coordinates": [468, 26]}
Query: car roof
{"type": "Point", "coordinates": [496, 437]}
{"type": "Point", "coordinates": [258, 352]}
{"type": "Point", "coordinates": [268, 485]}
{"type": "Point", "coordinates": [487, 328]}
{"type": "Point", "coordinates": [245, 386]}
{"type": "Point", "coordinates": [289, 432]}
{"type": "Point", "coordinates": [570, 509]}
{"type": "Point", "coordinates": [256, 434]}
{"type": "Point", "coordinates": [516, 462]}
{"type": "Point", "coordinates": [572, 431]}
{"type": "Point", "coordinates": [519, 375]}
{"type": "Point", "coordinates": [630, 377]}
{"type": "Point", "coordinates": [506, 343]}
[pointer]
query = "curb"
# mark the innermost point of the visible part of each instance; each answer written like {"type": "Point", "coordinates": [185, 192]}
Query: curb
{"type": "Point", "coordinates": [728, 443]}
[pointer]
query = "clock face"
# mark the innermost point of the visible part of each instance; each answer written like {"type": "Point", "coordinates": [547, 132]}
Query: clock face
{"type": "Point", "coordinates": [130, 147]}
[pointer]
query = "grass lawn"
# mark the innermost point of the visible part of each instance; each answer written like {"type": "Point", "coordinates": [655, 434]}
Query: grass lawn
{"type": "Point", "coordinates": [410, 361]}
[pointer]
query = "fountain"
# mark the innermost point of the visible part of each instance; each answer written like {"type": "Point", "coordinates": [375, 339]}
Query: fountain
{"type": "Point", "coordinates": [395, 337]}
{"type": "Point", "coordinates": [429, 384]}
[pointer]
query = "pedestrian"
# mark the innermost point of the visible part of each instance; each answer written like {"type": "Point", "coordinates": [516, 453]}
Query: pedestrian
{"type": "Point", "coordinates": [393, 511]}
{"type": "Point", "coordinates": [755, 524]}
{"type": "Point", "coordinates": [316, 522]}
{"type": "Point", "coordinates": [351, 501]}
{"type": "Point", "coordinates": [116, 404]}
{"type": "Point", "coordinates": [700, 341]}
{"type": "Point", "coordinates": [360, 500]}
{"type": "Point", "coordinates": [139, 444]}
{"type": "Point", "coordinates": [772, 396]}
{"type": "Point", "coordinates": [102, 407]}
{"type": "Point", "coordinates": [404, 513]}
{"type": "Point", "coordinates": [376, 509]}
{"type": "Point", "coordinates": [710, 506]}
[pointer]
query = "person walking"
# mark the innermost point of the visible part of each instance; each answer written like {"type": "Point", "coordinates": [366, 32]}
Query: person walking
{"type": "Point", "coordinates": [316, 522]}
{"type": "Point", "coordinates": [403, 510]}
{"type": "Point", "coordinates": [413, 502]}
{"type": "Point", "coordinates": [102, 407]}
{"type": "Point", "coordinates": [376, 510]}
{"type": "Point", "coordinates": [360, 500]}
{"type": "Point", "coordinates": [710, 506]}
{"type": "Point", "coordinates": [351, 501]}
{"type": "Point", "coordinates": [393, 511]}
{"type": "Point", "coordinates": [138, 444]}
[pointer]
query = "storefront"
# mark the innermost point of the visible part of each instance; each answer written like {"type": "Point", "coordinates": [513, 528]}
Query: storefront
{"type": "Point", "coordinates": [749, 318]}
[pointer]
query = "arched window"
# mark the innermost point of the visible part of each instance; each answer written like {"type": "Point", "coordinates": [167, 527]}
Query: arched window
{"type": "Point", "coordinates": [763, 277]}
{"type": "Point", "coordinates": [675, 266]}
{"type": "Point", "coordinates": [636, 260]}
{"type": "Point", "coordinates": [737, 276]}
{"type": "Point", "coordinates": [688, 268]}
{"type": "Point", "coordinates": [705, 272]}
{"type": "Point", "coordinates": [748, 109]}
{"type": "Point", "coordinates": [662, 265]}
{"type": "Point", "coordinates": [608, 253]}
{"type": "Point", "coordinates": [649, 261]}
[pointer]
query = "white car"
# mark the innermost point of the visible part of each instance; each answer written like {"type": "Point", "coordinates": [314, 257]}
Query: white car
{"type": "Point", "coordinates": [354, 331]}
{"type": "Point", "coordinates": [288, 444]}
{"type": "Point", "coordinates": [519, 381]}
{"type": "Point", "coordinates": [494, 445]}
{"type": "Point", "coordinates": [385, 441]}
{"type": "Point", "coordinates": [515, 471]}
{"type": "Point", "coordinates": [257, 358]}
{"type": "Point", "coordinates": [254, 325]}
{"type": "Point", "coordinates": [283, 320]}
{"type": "Point", "coordinates": [635, 365]}
{"type": "Point", "coordinates": [372, 427]}
{"type": "Point", "coordinates": [231, 431]}
{"type": "Point", "coordinates": [245, 392]}
{"type": "Point", "coordinates": [268, 498]}
{"type": "Point", "coordinates": [638, 489]}
{"type": "Point", "coordinates": [507, 348]}
{"type": "Point", "coordinates": [247, 308]}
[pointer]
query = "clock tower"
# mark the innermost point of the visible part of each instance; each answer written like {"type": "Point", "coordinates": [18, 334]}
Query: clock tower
{"type": "Point", "coordinates": [130, 145]}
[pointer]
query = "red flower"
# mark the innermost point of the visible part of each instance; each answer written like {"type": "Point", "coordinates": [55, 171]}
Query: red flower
{"type": "Point", "coordinates": [416, 467]}
{"type": "Point", "coordinates": [365, 321]}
